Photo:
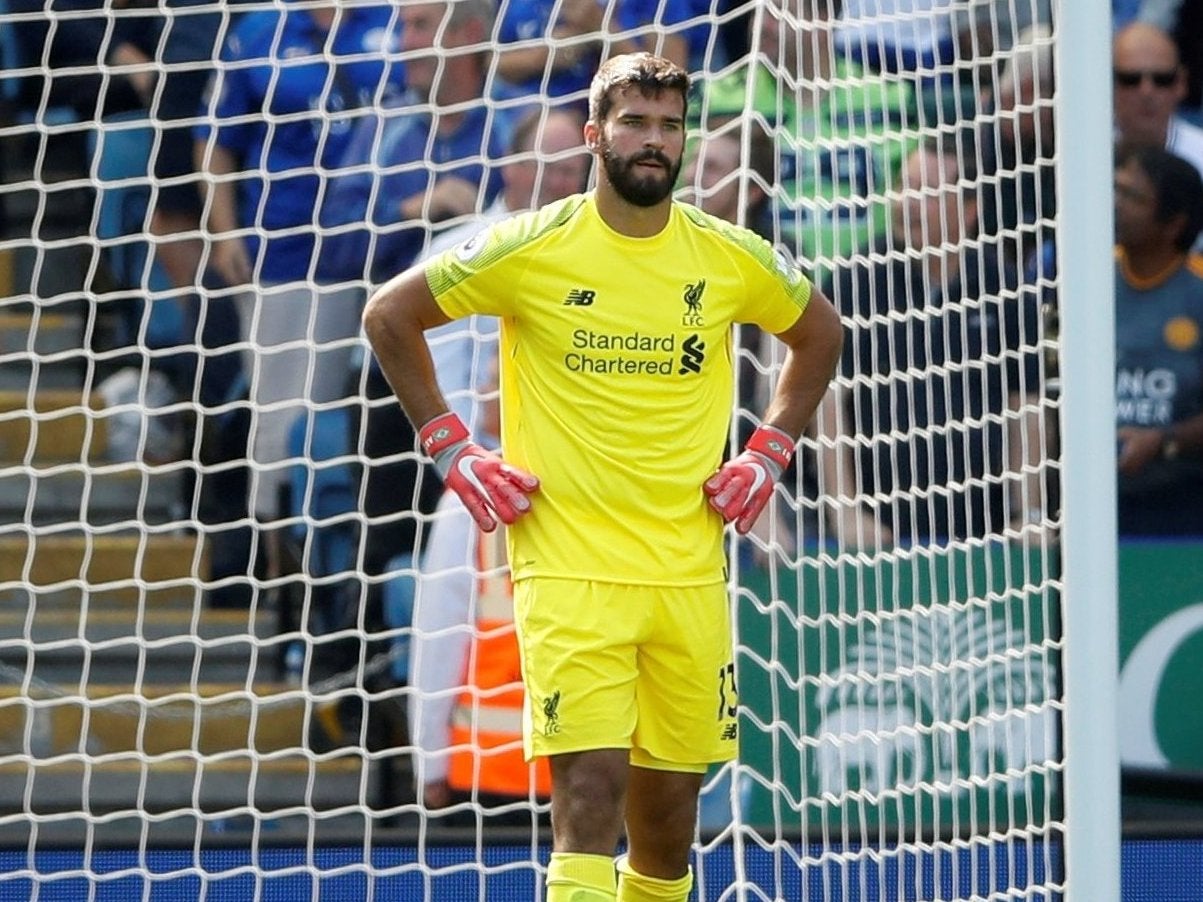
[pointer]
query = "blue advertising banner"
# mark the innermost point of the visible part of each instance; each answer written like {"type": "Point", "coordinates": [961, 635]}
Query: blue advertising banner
{"type": "Point", "coordinates": [1153, 871]}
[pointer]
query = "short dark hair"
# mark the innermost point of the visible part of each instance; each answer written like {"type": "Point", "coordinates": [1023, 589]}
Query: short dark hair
{"type": "Point", "coordinates": [526, 133]}
{"type": "Point", "coordinates": [1177, 184]}
{"type": "Point", "coordinates": [761, 159]}
{"type": "Point", "coordinates": [650, 74]}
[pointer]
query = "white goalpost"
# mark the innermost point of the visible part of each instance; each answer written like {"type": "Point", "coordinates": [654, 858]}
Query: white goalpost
{"type": "Point", "coordinates": [196, 705]}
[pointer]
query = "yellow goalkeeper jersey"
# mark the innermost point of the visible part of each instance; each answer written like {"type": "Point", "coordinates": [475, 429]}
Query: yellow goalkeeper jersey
{"type": "Point", "coordinates": [617, 379]}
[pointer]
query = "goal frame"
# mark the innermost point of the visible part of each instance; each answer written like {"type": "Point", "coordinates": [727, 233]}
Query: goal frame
{"type": "Point", "coordinates": [1086, 584]}
{"type": "Point", "coordinates": [1089, 544]}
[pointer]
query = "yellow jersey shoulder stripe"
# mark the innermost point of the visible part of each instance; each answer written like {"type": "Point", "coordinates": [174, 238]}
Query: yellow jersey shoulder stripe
{"type": "Point", "coordinates": [500, 240]}
{"type": "Point", "coordinates": [756, 247]}
{"type": "Point", "coordinates": [743, 238]}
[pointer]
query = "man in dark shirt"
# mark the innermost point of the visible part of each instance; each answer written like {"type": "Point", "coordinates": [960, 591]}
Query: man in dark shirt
{"type": "Point", "coordinates": [1158, 343]}
{"type": "Point", "coordinates": [935, 418]}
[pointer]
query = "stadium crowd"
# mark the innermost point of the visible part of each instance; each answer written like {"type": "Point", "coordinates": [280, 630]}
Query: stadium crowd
{"type": "Point", "coordinates": [306, 151]}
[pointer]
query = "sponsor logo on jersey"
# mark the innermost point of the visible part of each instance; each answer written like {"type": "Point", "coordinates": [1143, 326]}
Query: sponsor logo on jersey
{"type": "Point", "coordinates": [1145, 397]}
{"type": "Point", "coordinates": [580, 297]}
{"type": "Point", "coordinates": [787, 267]}
{"type": "Point", "coordinates": [693, 354]}
{"type": "Point", "coordinates": [1181, 333]}
{"type": "Point", "coordinates": [692, 297]}
{"type": "Point", "coordinates": [470, 248]}
{"type": "Point", "coordinates": [621, 354]}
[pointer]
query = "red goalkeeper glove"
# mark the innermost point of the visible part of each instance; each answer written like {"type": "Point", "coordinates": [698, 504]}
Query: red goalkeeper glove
{"type": "Point", "coordinates": [490, 488]}
{"type": "Point", "coordinates": [743, 486]}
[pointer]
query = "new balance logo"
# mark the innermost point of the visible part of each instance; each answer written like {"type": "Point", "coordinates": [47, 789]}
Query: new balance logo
{"type": "Point", "coordinates": [730, 733]}
{"type": "Point", "coordinates": [580, 297]}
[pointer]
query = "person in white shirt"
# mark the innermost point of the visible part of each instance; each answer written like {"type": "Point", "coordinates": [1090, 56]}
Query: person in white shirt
{"type": "Point", "coordinates": [1150, 85]}
{"type": "Point", "coordinates": [547, 163]}
{"type": "Point", "coordinates": [465, 711]}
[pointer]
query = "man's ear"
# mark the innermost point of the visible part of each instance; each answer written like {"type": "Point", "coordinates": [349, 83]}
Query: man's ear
{"type": "Point", "coordinates": [1175, 226]}
{"type": "Point", "coordinates": [1182, 85]}
{"type": "Point", "coordinates": [592, 134]}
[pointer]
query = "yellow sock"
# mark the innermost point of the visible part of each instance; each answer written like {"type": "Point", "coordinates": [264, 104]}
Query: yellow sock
{"type": "Point", "coordinates": [634, 887]}
{"type": "Point", "coordinates": [575, 877]}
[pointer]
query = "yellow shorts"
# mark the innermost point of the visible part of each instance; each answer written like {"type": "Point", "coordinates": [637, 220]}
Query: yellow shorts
{"type": "Point", "coordinates": [647, 668]}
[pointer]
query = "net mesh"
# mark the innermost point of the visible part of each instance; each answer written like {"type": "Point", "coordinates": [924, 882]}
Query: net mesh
{"type": "Point", "coordinates": [215, 512]}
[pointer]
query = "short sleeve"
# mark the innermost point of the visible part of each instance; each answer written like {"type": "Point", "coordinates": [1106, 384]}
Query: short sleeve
{"type": "Point", "coordinates": [778, 291]}
{"type": "Point", "coordinates": [471, 277]}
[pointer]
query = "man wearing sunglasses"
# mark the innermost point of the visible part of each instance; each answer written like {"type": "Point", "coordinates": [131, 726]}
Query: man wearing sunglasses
{"type": "Point", "coordinates": [1150, 84]}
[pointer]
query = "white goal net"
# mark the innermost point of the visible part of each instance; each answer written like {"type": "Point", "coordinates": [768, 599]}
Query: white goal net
{"type": "Point", "coordinates": [215, 516]}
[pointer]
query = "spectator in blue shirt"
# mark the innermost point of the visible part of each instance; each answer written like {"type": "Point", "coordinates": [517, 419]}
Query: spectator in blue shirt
{"type": "Point", "coordinates": [167, 57]}
{"type": "Point", "coordinates": [551, 48]}
{"type": "Point", "coordinates": [292, 82]}
{"type": "Point", "coordinates": [166, 53]}
{"type": "Point", "coordinates": [424, 160]}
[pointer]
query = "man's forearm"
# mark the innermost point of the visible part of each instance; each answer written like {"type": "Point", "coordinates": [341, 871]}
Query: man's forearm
{"type": "Point", "coordinates": [744, 485]}
{"type": "Point", "coordinates": [396, 332]}
{"type": "Point", "coordinates": [814, 345]}
{"type": "Point", "coordinates": [215, 162]}
{"type": "Point", "coordinates": [1187, 434]}
{"type": "Point", "coordinates": [523, 63]}
{"type": "Point", "coordinates": [800, 387]}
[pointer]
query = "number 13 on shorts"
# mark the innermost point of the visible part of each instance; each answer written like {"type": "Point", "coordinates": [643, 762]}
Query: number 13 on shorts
{"type": "Point", "coordinates": [728, 702]}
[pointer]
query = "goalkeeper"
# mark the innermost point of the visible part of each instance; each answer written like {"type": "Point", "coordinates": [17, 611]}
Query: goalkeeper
{"type": "Point", "coordinates": [616, 310]}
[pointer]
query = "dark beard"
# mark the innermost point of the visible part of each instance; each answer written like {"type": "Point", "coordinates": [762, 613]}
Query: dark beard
{"type": "Point", "coordinates": [642, 191]}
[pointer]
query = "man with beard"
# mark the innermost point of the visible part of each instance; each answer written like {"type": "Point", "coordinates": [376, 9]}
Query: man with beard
{"type": "Point", "coordinates": [616, 378]}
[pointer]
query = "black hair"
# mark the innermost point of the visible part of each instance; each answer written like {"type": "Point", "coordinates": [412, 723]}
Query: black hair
{"type": "Point", "coordinates": [650, 74]}
{"type": "Point", "coordinates": [525, 136]}
{"type": "Point", "coordinates": [1176, 183]}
